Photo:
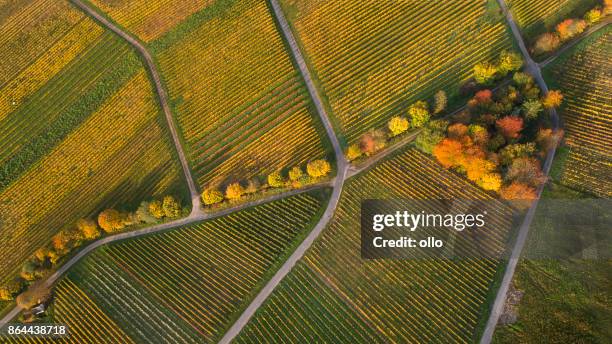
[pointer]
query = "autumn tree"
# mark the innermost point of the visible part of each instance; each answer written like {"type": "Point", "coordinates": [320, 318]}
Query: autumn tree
{"type": "Point", "coordinates": [518, 191]}
{"type": "Point", "coordinates": [156, 209]}
{"type": "Point", "coordinates": [479, 134]}
{"type": "Point", "coordinates": [532, 109]}
{"type": "Point", "coordinates": [234, 191]}
{"type": "Point", "coordinates": [449, 152]}
{"type": "Point", "coordinates": [88, 228]}
{"type": "Point", "coordinates": [111, 220]}
{"type": "Point", "coordinates": [457, 131]}
{"type": "Point", "coordinates": [490, 181]}
{"type": "Point", "coordinates": [275, 180]}
{"type": "Point", "coordinates": [372, 141]}
{"type": "Point", "coordinates": [483, 96]}
{"type": "Point", "coordinates": [517, 150]}
{"type": "Point", "coordinates": [570, 28]}
{"type": "Point", "coordinates": [398, 125]}
{"type": "Point", "coordinates": [419, 114]}
{"type": "Point", "coordinates": [60, 241]}
{"type": "Point", "coordinates": [484, 73]}
{"type": "Point", "coordinates": [9, 290]}
{"type": "Point", "coordinates": [593, 16]}
{"type": "Point", "coordinates": [295, 174]}
{"type": "Point", "coordinates": [510, 126]}
{"type": "Point", "coordinates": [143, 215]}
{"type": "Point", "coordinates": [509, 62]}
{"type": "Point", "coordinates": [547, 139]}
{"type": "Point", "coordinates": [546, 42]}
{"type": "Point", "coordinates": [526, 170]}
{"type": "Point", "coordinates": [477, 167]}
{"type": "Point", "coordinates": [552, 99]}
{"type": "Point", "coordinates": [353, 152]}
{"type": "Point", "coordinates": [212, 196]}
{"type": "Point", "coordinates": [252, 186]}
{"type": "Point", "coordinates": [171, 207]}
{"type": "Point", "coordinates": [522, 79]}
{"type": "Point", "coordinates": [318, 168]}
{"type": "Point", "coordinates": [440, 102]}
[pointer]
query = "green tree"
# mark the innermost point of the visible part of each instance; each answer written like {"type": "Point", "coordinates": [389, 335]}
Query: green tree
{"type": "Point", "coordinates": [318, 168]}
{"type": "Point", "coordinates": [509, 62]}
{"type": "Point", "coordinates": [398, 125]}
{"type": "Point", "coordinates": [522, 79]}
{"type": "Point", "coordinates": [212, 196]}
{"type": "Point", "coordinates": [532, 108]}
{"type": "Point", "coordinates": [11, 289]}
{"type": "Point", "coordinates": [432, 133]}
{"type": "Point", "coordinates": [419, 114]}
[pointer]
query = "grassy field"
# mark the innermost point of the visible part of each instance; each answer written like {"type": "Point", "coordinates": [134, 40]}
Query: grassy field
{"type": "Point", "coordinates": [149, 19]}
{"type": "Point", "coordinates": [535, 17]}
{"type": "Point", "coordinates": [80, 128]}
{"type": "Point", "coordinates": [336, 295]}
{"type": "Point", "coordinates": [184, 285]}
{"type": "Point", "coordinates": [240, 103]}
{"type": "Point", "coordinates": [373, 59]}
{"type": "Point", "coordinates": [583, 75]}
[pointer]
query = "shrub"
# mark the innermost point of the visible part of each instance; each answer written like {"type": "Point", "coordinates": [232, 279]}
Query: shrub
{"type": "Point", "coordinates": [143, 214]}
{"type": "Point", "coordinates": [275, 180]}
{"type": "Point", "coordinates": [296, 172]}
{"type": "Point", "coordinates": [88, 228]}
{"type": "Point", "coordinates": [156, 209]}
{"type": "Point", "coordinates": [212, 196]}
{"type": "Point", "coordinates": [398, 125]}
{"type": "Point", "coordinates": [440, 102]}
{"type": "Point", "coordinates": [318, 168]}
{"type": "Point", "coordinates": [171, 207]}
{"type": "Point", "coordinates": [419, 114]}
{"type": "Point", "coordinates": [234, 191]}
{"type": "Point", "coordinates": [546, 42]}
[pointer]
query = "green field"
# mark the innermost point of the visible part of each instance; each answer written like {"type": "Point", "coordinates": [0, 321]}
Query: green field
{"type": "Point", "coordinates": [186, 284]}
{"type": "Point", "coordinates": [335, 294]}
{"type": "Point", "coordinates": [80, 129]}
{"type": "Point", "coordinates": [373, 59]}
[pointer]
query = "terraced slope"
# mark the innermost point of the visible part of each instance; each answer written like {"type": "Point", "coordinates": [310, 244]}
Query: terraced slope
{"type": "Point", "coordinates": [537, 16]}
{"type": "Point", "coordinates": [186, 284]}
{"type": "Point", "coordinates": [336, 295]}
{"type": "Point", "coordinates": [583, 74]}
{"type": "Point", "coordinates": [374, 58]}
{"type": "Point", "coordinates": [242, 106]}
{"type": "Point", "coordinates": [149, 19]}
{"type": "Point", "coordinates": [80, 128]}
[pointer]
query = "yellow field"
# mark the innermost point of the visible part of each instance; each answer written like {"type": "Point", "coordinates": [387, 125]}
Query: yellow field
{"type": "Point", "coordinates": [149, 19]}
{"type": "Point", "coordinates": [119, 155]}
{"type": "Point", "coordinates": [374, 58]}
{"type": "Point", "coordinates": [584, 78]}
{"type": "Point", "coordinates": [241, 105]}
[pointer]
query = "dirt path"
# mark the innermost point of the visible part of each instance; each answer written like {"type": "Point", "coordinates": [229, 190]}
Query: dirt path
{"type": "Point", "coordinates": [161, 95]}
{"type": "Point", "coordinates": [498, 305]}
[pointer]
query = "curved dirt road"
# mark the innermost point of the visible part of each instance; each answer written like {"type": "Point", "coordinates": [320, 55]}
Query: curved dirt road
{"type": "Point", "coordinates": [161, 95]}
